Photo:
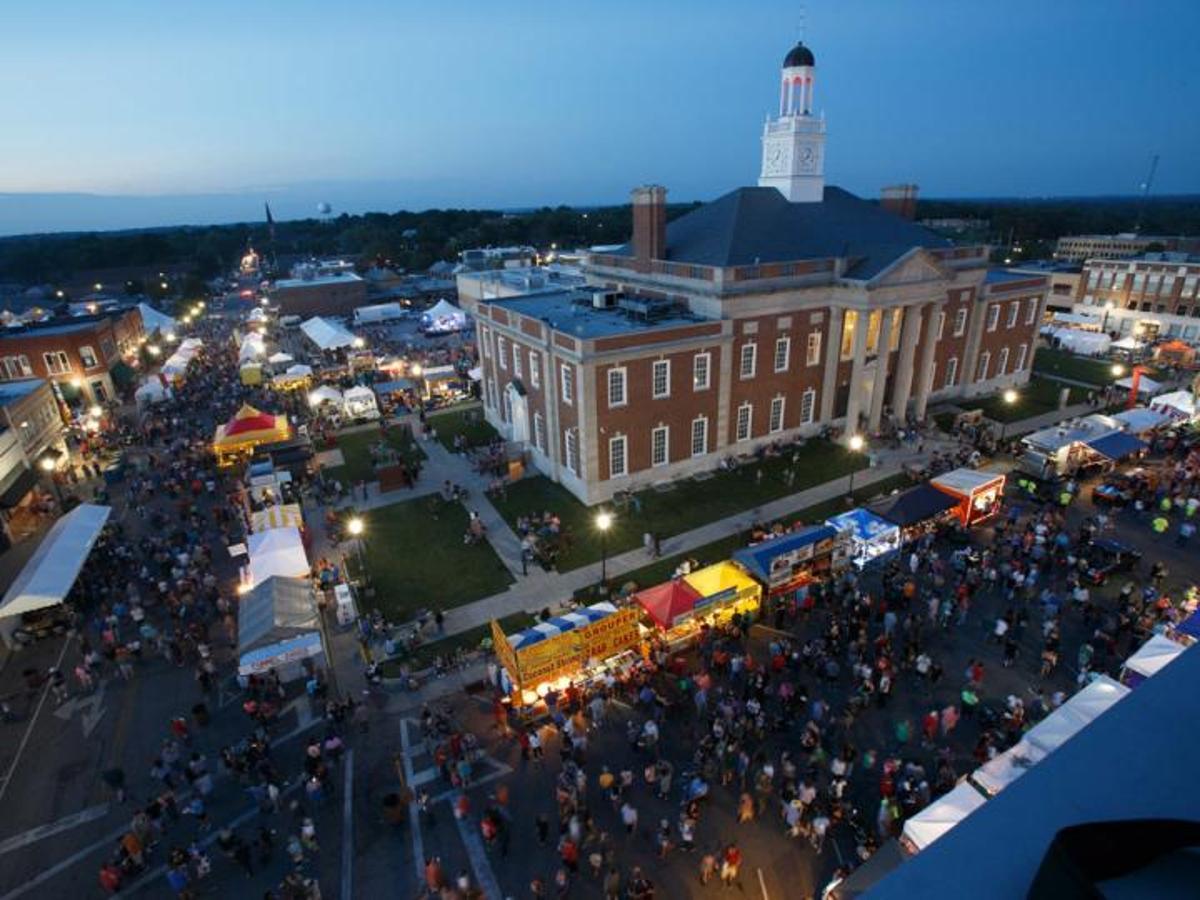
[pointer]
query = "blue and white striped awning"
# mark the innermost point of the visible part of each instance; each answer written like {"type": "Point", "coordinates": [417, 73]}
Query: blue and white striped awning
{"type": "Point", "coordinates": [560, 625]}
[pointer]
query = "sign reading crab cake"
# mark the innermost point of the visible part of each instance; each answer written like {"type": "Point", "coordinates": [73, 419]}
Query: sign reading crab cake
{"type": "Point", "coordinates": [563, 645]}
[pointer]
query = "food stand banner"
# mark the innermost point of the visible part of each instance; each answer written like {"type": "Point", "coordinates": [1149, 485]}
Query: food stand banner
{"type": "Point", "coordinates": [723, 584]}
{"type": "Point", "coordinates": [979, 493]}
{"type": "Point", "coordinates": [565, 643]}
{"type": "Point", "coordinates": [775, 562]}
{"type": "Point", "coordinates": [870, 535]}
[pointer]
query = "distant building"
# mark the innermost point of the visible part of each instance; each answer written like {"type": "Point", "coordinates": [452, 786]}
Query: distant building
{"type": "Point", "coordinates": [78, 355]}
{"type": "Point", "coordinates": [498, 257]}
{"type": "Point", "coordinates": [765, 315]}
{"type": "Point", "coordinates": [312, 294]}
{"type": "Point", "coordinates": [1064, 278]}
{"type": "Point", "coordinates": [31, 430]}
{"type": "Point", "coordinates": [1080, 247]}
{"type": "Point", "coordinates": [1154, 295]}
{"type": "Point", "coordinates": [496, 283]}
{"type": "Point", "coordinates": [957, 224]}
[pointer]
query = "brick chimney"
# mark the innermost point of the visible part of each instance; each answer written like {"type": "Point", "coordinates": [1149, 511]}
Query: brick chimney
{"type": "Point", "coordinates": [649, 222]}
{"type": "Point", "coordinates": [900, 199]}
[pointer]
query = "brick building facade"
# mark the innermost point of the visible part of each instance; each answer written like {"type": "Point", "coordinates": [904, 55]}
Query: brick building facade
{"type": "Point", "coordinates": [1156, 295]}
{"type": "Point", "coordinates": [331, 294]}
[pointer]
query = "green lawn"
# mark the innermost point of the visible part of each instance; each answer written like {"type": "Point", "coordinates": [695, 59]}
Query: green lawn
{"type": "Point", "coordinates": [467, 422]}
{"type": "Point", "coordinates": [1039, 396]}
{"type": "Point", "coordinates": [416, 559]}
{"type": "Point", "coordinates": [687, 505]}
{"type": "Point", "coordinates": [472, 639]}
{"type": "Point", "coordinates": [660, 570]}
{"type": "Point", "coordinates": [356, 453]}
{"type": "Point", "coordinates": [1064, 364]}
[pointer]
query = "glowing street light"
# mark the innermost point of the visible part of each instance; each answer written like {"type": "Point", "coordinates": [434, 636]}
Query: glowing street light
{"type": "Point", "coordinates": [95, 411]}
{"type": "Point", "coordinates": [355, 526]}
{"type": "Point", "coordinates": [1010, 397]}
{"type": "Point", "coordinates": [604, 522]}
{"type": "Point", "coordinates": [1118, 370]}
{"type": "Point", "coordinates": [855, 444]}
{"type": "Point", "coordinates": [359, 343]}
{"type": "Point", "coordinates": [47, 464]}
{"type": "Point", "coordinates": [415, 369]}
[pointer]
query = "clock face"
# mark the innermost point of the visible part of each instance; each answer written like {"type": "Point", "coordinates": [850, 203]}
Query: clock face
{"type": "Point", "coordinates": [776, 160]}
{"type": "Point", "coordinates": [808, 158]}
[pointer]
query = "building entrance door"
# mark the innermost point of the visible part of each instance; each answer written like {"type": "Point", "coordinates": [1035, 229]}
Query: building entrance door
{"type": "Point", "coordinates": [518, 405]}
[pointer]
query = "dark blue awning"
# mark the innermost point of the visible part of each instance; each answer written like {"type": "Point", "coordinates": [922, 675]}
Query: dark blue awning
{"type": "Point", "coordinates": [1117, 446]}
{"type": "Point", "coordinates": [915, 505]}
{"type": "Point", "coordinates": [757, 559]}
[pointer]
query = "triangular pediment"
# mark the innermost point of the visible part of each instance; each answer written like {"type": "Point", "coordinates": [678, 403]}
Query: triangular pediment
{"type": "Point", "coordinates": [913, 267]}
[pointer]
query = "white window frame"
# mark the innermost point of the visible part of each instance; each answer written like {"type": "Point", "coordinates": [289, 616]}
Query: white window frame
{"type": "Point", "coordinates": [614, 471]}
{"type": "Point", "coordinates": [775, 417]}
{"type": "Point", "coordinates": [740, 433]}
{"type": "Point", "coordinates": [484, 334]}
{"type": "Point", "coordinates": [663, 432]}
{"type": "Point", "coordinates": [960, 321]}
{"type": "Point", "coordinates": [86, 350]}
{"type": "Point", "coordinates": [617, 376]}
{"type": "Point", "coordinates": [539, 432]}
{"type": "Point", "coordinates": [517, 368]}
{"type": "Point", "coordinates": [571, 450]}
{"type": "Point", "coordinates": [489, 393]}
{"type": "Point", "coordinates": [751, 357]}
{"type": "Point", "coordinates": [1014, 312]}
{"type": "Point", "coordinates": [664, 366]}
{"type": "Point", "coordinates": [703, 421]}
{"type": "Point", "coordinates": [993, 316]}
{"type": "Point", "coordinates": [813, 352]}
{"type": "Point", "coordinates": [951, 372]}
{"type": "Point", "coordinates": [57, 362]}
{"type": "Point", "coordinates": [808, 406]}
{"type": "Point", "coordinates": [501, 352]}
{"type": "Point", "coordinates": [1022, 356]}
{"type": "Point", "coordinates": [1002, 362]}
{"type": "Point", "coordinates": [566, 375]}
{"type": "Point", "coordinates": [701, 361]}
{"type": "Point", "coordinates": [985, 363]}
{"type": "Point", "coordinates": [535, 369]}
{"type": "Point", "coordinates": [1031, 314]}
{"type": "Point", "coordinates": [784, 344]}
{"type": "Point", "coordinates": [941, 325]}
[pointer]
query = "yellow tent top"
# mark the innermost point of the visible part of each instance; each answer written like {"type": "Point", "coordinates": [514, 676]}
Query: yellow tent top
{"type": "Point", "coordinates": [248, 429]}
{"type": "Point", "coordinates": [722, 583]}
{"type": "Point", "coordinates": [280, 516]}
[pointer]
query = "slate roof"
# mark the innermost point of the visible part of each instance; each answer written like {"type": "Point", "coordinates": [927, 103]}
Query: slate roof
{"type": "Point", "coordinates": [759, 225]}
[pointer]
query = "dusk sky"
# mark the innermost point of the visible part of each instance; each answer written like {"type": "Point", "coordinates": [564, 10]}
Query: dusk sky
{"type": "Point", "coordinates": [387, 105]}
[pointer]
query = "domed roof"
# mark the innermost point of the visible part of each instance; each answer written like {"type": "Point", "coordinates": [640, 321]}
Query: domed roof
{"type": "Point", "coordinates": [799, 56]}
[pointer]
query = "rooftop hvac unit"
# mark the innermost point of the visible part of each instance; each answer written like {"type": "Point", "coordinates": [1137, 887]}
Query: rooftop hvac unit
{"type": "Point", "coordinates": [604, 299]}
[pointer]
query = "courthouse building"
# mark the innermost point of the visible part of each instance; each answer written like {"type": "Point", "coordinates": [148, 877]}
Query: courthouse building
{"type": "Point", "coordinates": [766, 314]}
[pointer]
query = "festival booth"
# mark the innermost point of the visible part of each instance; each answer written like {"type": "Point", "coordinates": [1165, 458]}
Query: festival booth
{"type": "Point", "coordinates": [295, 378]}
{"type": "Point", "coordinates": [379, 312]}
{"type": "Point", "coordinates": [443, 318]}
{"type": "Point", "coordinates": [278, 628]}
{"type": "Point", "coordinates": [251, 374]}
{"type": "Point", "coordinates": [979, 494]}
{"type": "Point", "coordinates": [1083, 343]}
{"type": "Point", "coordinates": [324, 394]}
{"type": "Point", "coordinates": [252, 347]}
{"type": "Point", "coordinates": [1156, 653]}
{"type": "Point", "coordinates": [1142, 421]}
{"type": "Point", "coordinates": [441, 381]}
{"type": "Point", "coordinates": [281, 515]}
{"type": "Point", "coordinates": [150, 393]}
{"type": "Point", "coordinates": [940, 816]}
{"type": "Point", "coordinates": [279, 358]}
{"type": "Point", "coordinates": [327, 335]}
{"type": "Point", "coordinates": [1187, 632]}
{"type": "Point", "coordinates": [574, 647]}
{"type": "Point", "coordinates": [359, 403]}
{"type": "Point", "coordinates": [1079, 711]}
{"type": "Point", "coordinates": [153, 320]}
{"type": "Point", "coordinates": [870, 536]}
{"type": "Point", "coordinates": [276, 551]}
{"type": "Point", "coordinates": [1179, 405]}
{"type": "Point", "coordinates": [1146, 387]}
{"type": "Point", "coordinates": [1175, 353]}
{"type": "Point", "coordinates": [1118, 446]}
{"type": "Point", "coordinates": [1129, 345]}
{"type": "Point", "coordinates": [248, 429]}
{"type": "Point", "coordinates": [1002, 770]}
{"type": "Point", "coordinates": [725, 590]}
{"type": "Point", "coordinates": [917, 510]}
{"type": "Point", "coordinates": [176, 366]}
{"type": "Point", "coordinates": [787, 565]}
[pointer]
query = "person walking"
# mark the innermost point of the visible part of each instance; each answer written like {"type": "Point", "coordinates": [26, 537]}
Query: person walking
{"type": "Point", "coordinates": [731, 864]}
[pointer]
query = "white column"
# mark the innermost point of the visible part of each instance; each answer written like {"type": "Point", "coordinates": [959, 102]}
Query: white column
{"type": "Point", "coordinates": [910, 328]}
{"type": "Point", "coordinates": [861, 324]}
{"type": "Point", "coordinates": [833, 354]}
{"type": "Point", "coordinates": [881, 369]}
{"type": "Point", "coordinates": [928, 346]}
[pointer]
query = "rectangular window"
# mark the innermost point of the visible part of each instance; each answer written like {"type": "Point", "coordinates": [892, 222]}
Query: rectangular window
{"type": "Point", "coordinates": [749, 359]}
{"type": "Point", "coordinates": [1014, 311]}
{"type": "Point", "coordinates": [568, 384]}
{"type": "Point", "coordinates": [951, 371]}
{"type": "Point", "coordinates": [539, 432]}
{"type": "Point", "coordinates": [813, 355]}
{"type": "Point", "coordinates": [489, 393]}
{"type": "Point", "coordinates": [894, 335]}
{"type": "Point", "coordinates": [874, 323]}
{"type": "Point", "coordinates": [1002, 362]}
{"type": "Point", "coordinates": [808, 406]}
{"type": "Point", "coordinates": [1152, 284]}
{"type": "Point", "coordinates": [783, 349]}
{"type": "Point", "coordinates": [1106, 280]}
{"type": "Point", "coordinates": [501, 352]}
{"type": "Point", "coordinates": [517, 373]}
{"type": "Point", "coordinates": [535, 370]}
{"type": "Point", "coordinates": [941, 325]}
{"type": "Point", "coordinates": [1119, 281]}
{"type": "Point", "coordinates": [1189, 284]}
{"type": "Point", "coordinates": [57, 362]}
{"type": "Point", "coordinates": [571, 439]}
{"type": "Point", "coordinates": [88, 356]}
{"type": "Point", "coordinates": [1022, 352]}
{"type": "Point", "coordinates": [700, 368]}
{"type": "Point", "coordinates": [849, 326]}
{"type": "Point", "coordinates": [699, 436]}
{"type": "Point", "coordinates": [775, 423]}
{"type": "Point", "coordinates": [660, 441]}
{"type": "Point", "coordinates": [1139, 280]}
{"type": "Point", "coordinates": [985, 362]}
{"type": "Point", "coordinates": [745, 417]}
{"type": "Point", "coordinates": [993, 317]}
{"type": "Point", "coordinates": [616, 387]}
{"type": "Point", "coordinates": [660, 379]}
{"type": "Point", "coordinates": [484, 334]}
{"type": "Point", "coordinates": [1168, 284]}
{"type": "Point", "coordinates": [17, 366]}
{"type": "Point", "coordinates": [960, 322]}
{"type": "Point", "coordinates": [1031, 311]}
{"type": "Point", "coordinates": [616, 457]}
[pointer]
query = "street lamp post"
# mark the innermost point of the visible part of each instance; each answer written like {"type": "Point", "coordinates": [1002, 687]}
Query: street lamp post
{"type": "Point", "coordinates": [48, 466]}
{"type": "Point", "coordinates": [603, 523]}
{"type": "Point", "coordinates": [1108, 307]}
{"type": "Point", "coordinates": [355, 527]}
{"type": "Point", "coordinates": [1010, 397]}
{"type": "Point", "coordinates": [855, 444]}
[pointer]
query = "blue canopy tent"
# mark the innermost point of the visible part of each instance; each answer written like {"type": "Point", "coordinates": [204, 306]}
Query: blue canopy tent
{"type": "Point", "coordinates": [782, 563]}
{"type": "Point", "coordinates": [1190, 627]}
{"type": "Point", "coordinates": [870, 536]}
{"type": "Point", "coordinates": [916, 505]}
{"type": "Point", "coordinates": [1118, 445]}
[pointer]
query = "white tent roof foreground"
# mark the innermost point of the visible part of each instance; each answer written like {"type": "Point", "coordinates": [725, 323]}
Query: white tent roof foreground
{"type": "Point", "coordinates": [51, 571]}
{"type": "Point", "coordinates": [327, 335]}
{"type": "Point", "coordinates": [942, 814]}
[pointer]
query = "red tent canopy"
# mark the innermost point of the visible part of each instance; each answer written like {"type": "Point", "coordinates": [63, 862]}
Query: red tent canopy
{"type": "Point", "coordinates": [249, 419]}
{"type": "Point", "coordinates": [669, 602]}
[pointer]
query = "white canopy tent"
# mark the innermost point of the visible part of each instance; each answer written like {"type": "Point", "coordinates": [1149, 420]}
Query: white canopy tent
{"type": "Point", "coordinates": [998, 773]}
{"type": "Point", "coordinates": [327, 335]}
{"type": "Point", "coordinates": [1066, 721]}
{"type": "Point", "coordinates": [1128, 343]}
{"type": "Point", "coordinates": [941, 815]}
{"type": "Point", "coordinates": [1153, 656]}
{"type": "Point", "coordinates": [279, 357]}
{"type": "Point", "coordinates": [276, 551]}
{"type": "Point", "coordinates": [48, 576]}
{"type": "Point", "coordinates": [324, 394]}
{"type": "Point", "coordinates": [150, 392]}
{"type": "Point", "coordinates": [154, 320]}
{"type": "Point", "coordinates": [298, 371]}
{"type": "Point", "coordinates": [360, 403]}
{"type": "Point", "coordinates": [1085, 343]}
{"type": "Point", "coordinates": [443, 317]}
{"type": "Point", "coordinates": [252, 347]}
{"type": "Point", "coordinates": [1141, 419]}
{"type": "Point", "coordinates": [1177, 404]}
{"type": "Point", "coordinates": [1146, 386]}
{"type": "Point", "coordinates": [379, 312]}
{"type": "Point", "coordinates": [258, 314]}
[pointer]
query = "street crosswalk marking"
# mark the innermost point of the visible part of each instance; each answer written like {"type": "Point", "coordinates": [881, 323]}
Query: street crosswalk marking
{"type": "Point", "coordinates": [25, 838]}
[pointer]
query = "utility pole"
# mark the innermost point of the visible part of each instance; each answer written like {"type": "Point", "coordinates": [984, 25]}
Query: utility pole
{"type": "Point", "coordinates": [1146, 185]}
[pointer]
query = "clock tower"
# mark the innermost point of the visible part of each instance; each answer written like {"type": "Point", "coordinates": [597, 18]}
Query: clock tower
{"type": "Point", "coordinates": [793, 143]}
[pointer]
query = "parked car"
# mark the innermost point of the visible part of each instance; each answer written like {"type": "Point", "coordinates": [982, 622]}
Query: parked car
{"type": "Point", "coordinates": [42, 623]}
{"type": "Point", "coordinates": [1107, 557]}
{"type": "Point", "coordinates": [1120, 489]}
